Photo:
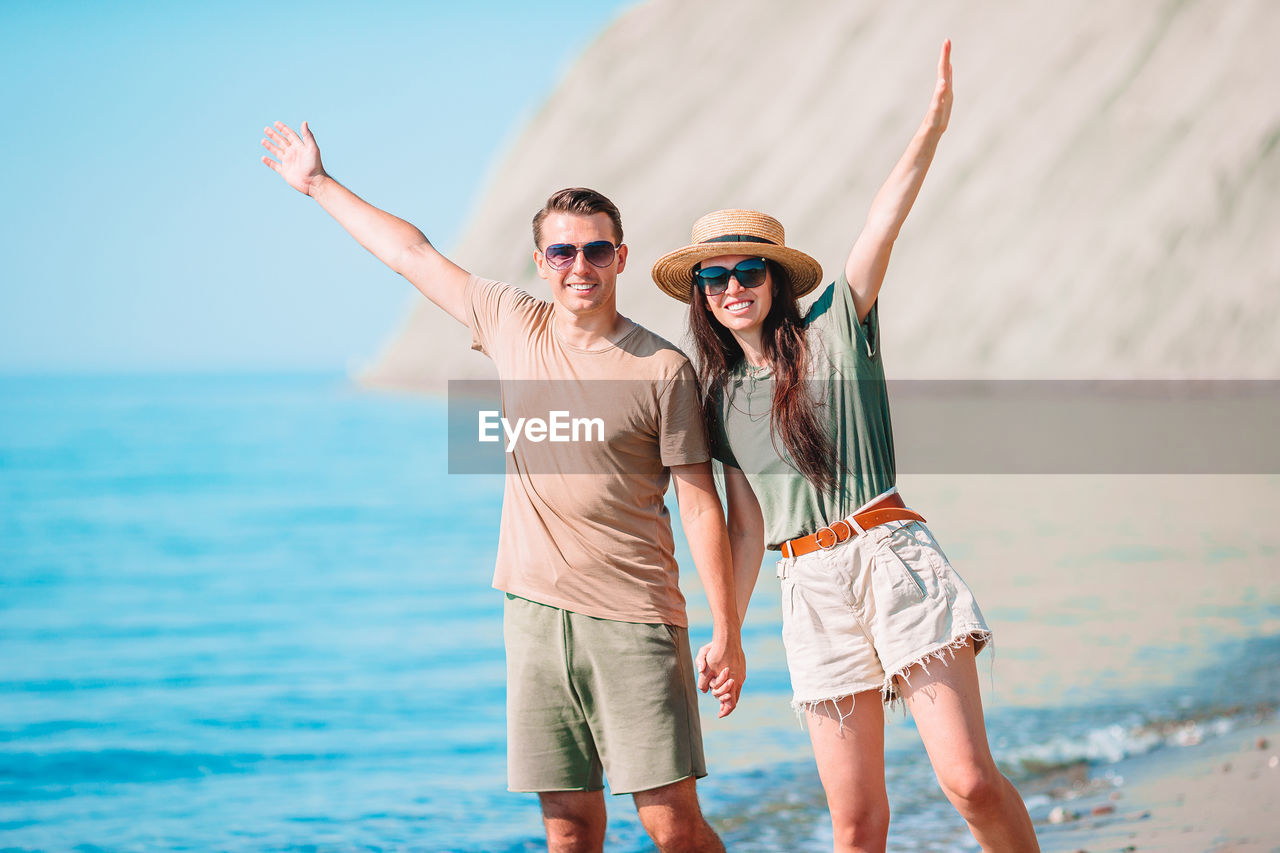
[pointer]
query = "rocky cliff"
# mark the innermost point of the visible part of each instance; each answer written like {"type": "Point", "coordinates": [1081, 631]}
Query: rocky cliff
{"type": "Point", "coordinates": [1105, 204]}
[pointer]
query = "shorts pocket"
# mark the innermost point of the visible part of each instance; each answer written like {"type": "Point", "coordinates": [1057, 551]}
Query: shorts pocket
{"type": "Point", "coordinates": [931, 548]}
{"type": "Point", "coordinates": [796, 623]}
{"type": "Point", "coordinates": [911, 561]}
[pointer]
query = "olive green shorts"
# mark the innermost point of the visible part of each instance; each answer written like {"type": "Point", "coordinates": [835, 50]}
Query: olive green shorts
{"type": "Point", "coordinates": [592, 698]}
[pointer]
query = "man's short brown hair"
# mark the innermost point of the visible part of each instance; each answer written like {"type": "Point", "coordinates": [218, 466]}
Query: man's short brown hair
{"type": "Point", "coordinates": [578, 201]}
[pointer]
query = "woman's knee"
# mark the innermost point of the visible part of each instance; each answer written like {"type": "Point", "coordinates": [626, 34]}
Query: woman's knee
{"type": "Point", "coordinates": [861, 826]}
{"type": "Point", "coordinates": [973, 788]}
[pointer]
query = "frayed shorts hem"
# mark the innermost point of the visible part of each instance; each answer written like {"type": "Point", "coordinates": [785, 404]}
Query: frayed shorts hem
{"type": "Point", "coordinates": [943, 652]}
{"type": "Point", "coordinates": [803, 707]}
{"type": "Point", "coordinates": [800, 706]}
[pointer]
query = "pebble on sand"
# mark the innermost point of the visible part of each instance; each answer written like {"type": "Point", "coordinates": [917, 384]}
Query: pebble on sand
{"type": "Point", "coordinates": [1061, 815]}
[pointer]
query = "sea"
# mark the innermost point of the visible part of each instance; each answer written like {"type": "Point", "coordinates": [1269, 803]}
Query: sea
{"type": "Point", "coordinates": [254, 613]}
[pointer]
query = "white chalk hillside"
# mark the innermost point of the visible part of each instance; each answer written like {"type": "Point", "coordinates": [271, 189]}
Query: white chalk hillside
{"type": "Point", "coordinates": [1105, 204]}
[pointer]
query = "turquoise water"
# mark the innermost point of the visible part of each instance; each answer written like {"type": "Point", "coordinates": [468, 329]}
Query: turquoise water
{"type": "Point", "coordinates": [254, 613]}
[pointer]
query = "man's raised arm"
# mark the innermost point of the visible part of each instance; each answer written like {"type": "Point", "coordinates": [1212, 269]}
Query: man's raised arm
{"type": "Point", "coordinates": [396, 243]}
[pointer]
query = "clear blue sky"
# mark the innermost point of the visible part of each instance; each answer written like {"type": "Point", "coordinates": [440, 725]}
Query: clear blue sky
{"type": "Point", "coordinates": [142, 233]}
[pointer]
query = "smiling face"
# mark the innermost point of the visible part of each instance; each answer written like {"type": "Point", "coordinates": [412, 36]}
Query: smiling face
{"type": "Point", "coordinates": [581, 288]}
{"type": "Point", "coordinates": [739, 309]}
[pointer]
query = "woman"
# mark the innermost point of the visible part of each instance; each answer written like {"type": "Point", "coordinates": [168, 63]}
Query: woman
{"type": "Point", "coordinates": [797, 409]}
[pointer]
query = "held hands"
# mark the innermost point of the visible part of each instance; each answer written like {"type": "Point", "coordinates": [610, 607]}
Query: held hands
{"type": "Point", "coordinates": [721, 669]}
{"type": "Point", "coordinates": [940, 107]}
{"type": "Point", "coordinates": [298, 155]}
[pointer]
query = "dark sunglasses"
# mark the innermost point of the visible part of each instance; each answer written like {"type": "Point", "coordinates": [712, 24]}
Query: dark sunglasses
{"type": "Point", "coordinates": [598, 253]}
{"type": "Point", "coordinates": [715, 280]}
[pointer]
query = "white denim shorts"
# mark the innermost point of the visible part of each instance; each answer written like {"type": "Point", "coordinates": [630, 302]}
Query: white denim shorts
{"type": "Point", "coordinates": [859, 615]}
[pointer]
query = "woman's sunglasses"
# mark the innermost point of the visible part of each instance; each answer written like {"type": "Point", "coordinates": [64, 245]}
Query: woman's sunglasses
{"type": "Point", "coordinates": [715, 280]}
{"type": "Point", "coordinates": [598, 253]}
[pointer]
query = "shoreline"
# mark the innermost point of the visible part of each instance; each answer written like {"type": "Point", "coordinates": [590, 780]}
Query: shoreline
{"type": "Point", "coordinates": [1217, 794]}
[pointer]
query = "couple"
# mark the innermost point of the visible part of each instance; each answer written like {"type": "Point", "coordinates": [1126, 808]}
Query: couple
{"type": "Point", "coordinates": [600, 673]}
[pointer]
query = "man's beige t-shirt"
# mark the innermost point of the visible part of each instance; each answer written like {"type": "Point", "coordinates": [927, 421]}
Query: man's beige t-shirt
{"type": "Point", "coordinates": [584, 525]}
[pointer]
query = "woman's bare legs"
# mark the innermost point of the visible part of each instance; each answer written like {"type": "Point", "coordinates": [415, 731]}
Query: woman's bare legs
{"type": "Point", "coordinates": [848, 744]}
{"type": "Point", "coordinates": [947, 708]}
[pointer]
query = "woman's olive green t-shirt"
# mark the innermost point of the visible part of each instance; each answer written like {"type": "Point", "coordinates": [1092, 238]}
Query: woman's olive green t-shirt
{"type": "Point", "coordinates": [847, 385]}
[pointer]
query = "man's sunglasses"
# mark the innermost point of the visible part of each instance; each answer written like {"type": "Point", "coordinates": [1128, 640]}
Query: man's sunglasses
{"type": "Point", "coordinates": [715, 280]}
{"type": "Point", "coordinates": [598, 253]}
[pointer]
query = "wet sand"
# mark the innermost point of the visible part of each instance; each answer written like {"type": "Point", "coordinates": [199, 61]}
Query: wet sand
{"type": "Point", "coordinates": [1220, 795]}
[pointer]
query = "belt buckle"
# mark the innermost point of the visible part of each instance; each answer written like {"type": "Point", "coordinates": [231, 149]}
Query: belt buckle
{"type": "Point", "coordinates": [836, 537]}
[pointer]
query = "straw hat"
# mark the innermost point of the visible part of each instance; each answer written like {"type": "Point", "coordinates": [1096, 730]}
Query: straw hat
{"type": "Point", "coordinates": [734, 232]}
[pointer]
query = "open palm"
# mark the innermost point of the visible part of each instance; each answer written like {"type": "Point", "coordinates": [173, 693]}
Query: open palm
{"type": "Point", "coordinates": [940, 107]}
{"type": "Point", "coordinates": [297, 155]}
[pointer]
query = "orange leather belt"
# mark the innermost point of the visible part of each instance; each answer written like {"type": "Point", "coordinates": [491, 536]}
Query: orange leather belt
{"type": "Point", "coordinates": [881, 512]}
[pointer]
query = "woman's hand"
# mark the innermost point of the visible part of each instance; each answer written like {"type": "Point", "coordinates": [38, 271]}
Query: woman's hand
{"type": "Point", "coordinates": [940, 107]}
{"type": "Point", "coordinates": [869, 258]}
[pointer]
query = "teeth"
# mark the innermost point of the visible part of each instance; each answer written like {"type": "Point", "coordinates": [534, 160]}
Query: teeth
{"type": "Point", "coordinates": [737, 306]}
{"type": "Point", "coordinates": [582, 287]}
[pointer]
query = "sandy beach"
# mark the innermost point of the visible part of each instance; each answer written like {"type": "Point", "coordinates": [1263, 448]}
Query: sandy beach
{"type": "Point", "coordinates": [1218, 795]}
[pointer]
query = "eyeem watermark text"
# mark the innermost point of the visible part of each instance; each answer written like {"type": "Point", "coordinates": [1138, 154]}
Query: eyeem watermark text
{"type": "Point", "coordinates": [939, 426]}
{"type": "Point", "coordinates": [558, 427]}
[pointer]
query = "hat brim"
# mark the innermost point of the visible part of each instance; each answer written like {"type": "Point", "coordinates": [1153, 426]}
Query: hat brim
{"type": "Point", "coordinates": [673, 272]}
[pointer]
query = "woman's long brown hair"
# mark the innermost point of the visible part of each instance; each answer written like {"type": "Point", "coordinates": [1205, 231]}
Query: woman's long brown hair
{"type": "Point", "coordinates": [792, 417]}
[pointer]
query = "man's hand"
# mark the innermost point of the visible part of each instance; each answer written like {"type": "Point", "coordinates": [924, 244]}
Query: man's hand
{"type": "Point", "coordinates": [298, 155]}
{"type": "Point", "coordinates": [722, 668]}
{"type": "Point", "coordinates": [939, 114]}
{"type": "Point", "coordinates": [393, 241]}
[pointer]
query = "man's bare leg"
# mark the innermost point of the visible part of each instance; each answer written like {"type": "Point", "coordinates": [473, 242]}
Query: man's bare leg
{"type": "Point", "coordinates": [574, 821]}
{"type": "Point", "coordinates": [672, 817]}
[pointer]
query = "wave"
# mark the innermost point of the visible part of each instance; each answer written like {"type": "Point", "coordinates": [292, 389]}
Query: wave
{"type": "Point", "coordinates": [1117, 741]}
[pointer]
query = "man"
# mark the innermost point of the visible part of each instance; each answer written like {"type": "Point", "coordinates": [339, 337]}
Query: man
{"type": "Point", "coordinates": [599, 671]}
